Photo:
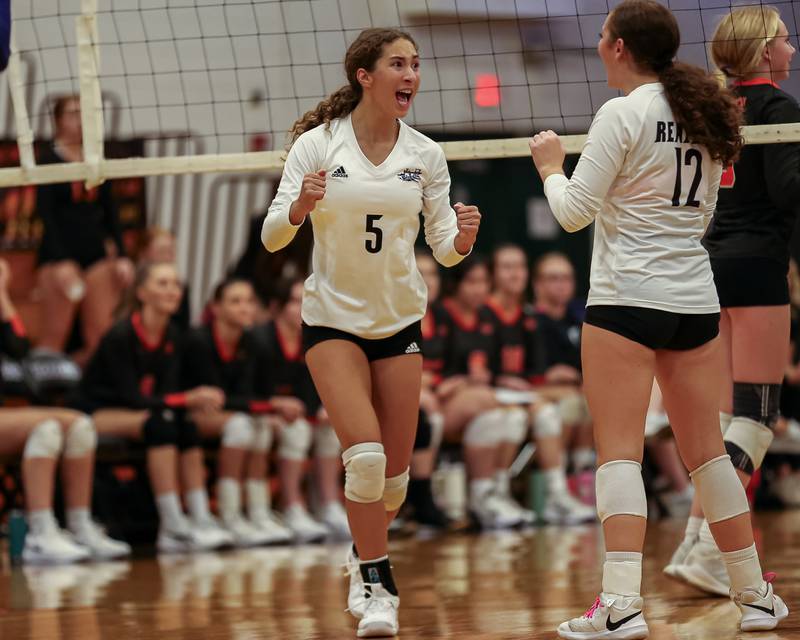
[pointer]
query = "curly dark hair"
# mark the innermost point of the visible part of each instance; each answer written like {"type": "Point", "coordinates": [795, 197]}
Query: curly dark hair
{"type": "Point", "coordinates": [706, 111]}
{"type": "Point", "coordinates": [362, 54]}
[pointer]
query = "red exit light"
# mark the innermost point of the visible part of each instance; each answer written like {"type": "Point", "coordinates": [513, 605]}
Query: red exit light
{"type": "Point", "coordinates": [487, 90]}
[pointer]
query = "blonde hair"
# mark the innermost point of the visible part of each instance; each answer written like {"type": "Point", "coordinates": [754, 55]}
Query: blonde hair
{"type": "Point", "coordinates": [740, 39]}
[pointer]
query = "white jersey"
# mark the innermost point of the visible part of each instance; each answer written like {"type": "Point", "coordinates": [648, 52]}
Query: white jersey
{"type": "Point", "coordinates": [365, 280]}
{"type": "Point", "coordinates": [652, 193]}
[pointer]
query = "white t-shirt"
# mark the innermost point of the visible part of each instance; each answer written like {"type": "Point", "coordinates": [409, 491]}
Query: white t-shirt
{"type": "Point", "coordinates": [652, 193]}
{"type": "Point", "coordinates": [365, 280]}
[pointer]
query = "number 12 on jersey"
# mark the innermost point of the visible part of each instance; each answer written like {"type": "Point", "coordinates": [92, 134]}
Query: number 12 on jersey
{"type": "Point", "coordinates": [681, 160]}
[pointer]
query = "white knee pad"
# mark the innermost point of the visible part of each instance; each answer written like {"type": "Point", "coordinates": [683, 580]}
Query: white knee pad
{"type": "Point", "coordinates": [546, 421]}
{"type": "Point", "coordinates": [326, 444]}
{"type": "Point", "coordinates": [721, 494]}
{"type": "Point", "coordinates": [45, 441]}
{"type": "Point", "coordinates": [295, 440]}
{"type": "Point", "coordinates": [485, 429]}
{"type": "Point", "coordinates": [238, 432]}
{"type": "Point", "coordinates": [753, 438]}
{"type": "Point", "coordinates": [81, 438]}
{"type": "Point", "coordinates": [262, 435]}
{"type": "Point", "coordinates": [573, 409]}
{"type": "Point", "coordinates": [394, 491]}
{"type": "Point", "coordinates": [365, 472]}
{"type": "Point", "coordinates": [515, 428]}
{"type": "Point", "coordinates": [620, 490]}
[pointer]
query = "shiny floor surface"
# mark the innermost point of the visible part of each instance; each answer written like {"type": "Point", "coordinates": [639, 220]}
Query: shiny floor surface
{"type": "Point", "coordinates": [491, 586]}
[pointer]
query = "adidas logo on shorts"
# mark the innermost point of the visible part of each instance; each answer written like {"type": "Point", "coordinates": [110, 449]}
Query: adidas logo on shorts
{"type": "Point", "coordinates": [412, 348]}
{"type": "Point", "coordinates": [339, 173]}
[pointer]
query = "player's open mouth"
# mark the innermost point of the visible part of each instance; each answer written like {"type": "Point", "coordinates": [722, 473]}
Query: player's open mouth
{"type": "Point", "coordinates": [404, 97]}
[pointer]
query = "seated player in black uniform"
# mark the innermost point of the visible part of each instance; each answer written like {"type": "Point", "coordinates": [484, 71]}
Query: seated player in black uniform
{"type": "Point", "coordinates": [159, 245]}
{"type": "Point", "coordinates": [132, 388]}
{"type": "Point", "coordinates": [560, 317]}
{"type": "Point", "coordinates": [223, 353]}
{"type": "Point", "coordinates": [82, 259]}
{"type": "Point", "coordinates": [287, 377]}
{"type": "Point", "coordinates": [43, 435]}
{"type": "Point", "coordinates": [469, 405]}
{"type": "Point", "coordinates": [419, 503]}
{"type": "Point", "coordinates": [519, 364]}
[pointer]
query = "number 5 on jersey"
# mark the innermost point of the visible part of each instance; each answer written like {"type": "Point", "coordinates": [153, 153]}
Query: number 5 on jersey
{"type": "Point", "coordinates": [374, 244]}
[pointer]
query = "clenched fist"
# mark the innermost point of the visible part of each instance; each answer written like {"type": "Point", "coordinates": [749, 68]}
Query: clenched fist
{"type": "Point", "coordinates": [468, 219]}
{"type": "Point", "coordinates": [312, 190]}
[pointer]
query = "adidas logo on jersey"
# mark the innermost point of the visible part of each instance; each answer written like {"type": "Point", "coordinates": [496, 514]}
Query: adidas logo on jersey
{"type": "Point", "coordinates": [412, 348]}
{"type": "Point", "coordinates": [339, 173]}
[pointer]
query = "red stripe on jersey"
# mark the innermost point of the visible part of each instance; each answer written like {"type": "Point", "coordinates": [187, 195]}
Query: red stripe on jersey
{"type": "Point", "coordinates": [175, 399]}
{"type": "Point", "coordinates": [291, 353]}
{"type": "Point", "coordinates": [138, 327]}
{"type": "Point", "coordinates": [508, 318]}
{"type": "Point", "coordinates": [465, 322]}
{"type": "Point", "coordinates": [224, 353]}
{"type": "Point", "coordinates": [16, 326]}
{"type": "Point", "coordinates": [260, 406]}
{"type": "Point", "coordinates": [755, 82]}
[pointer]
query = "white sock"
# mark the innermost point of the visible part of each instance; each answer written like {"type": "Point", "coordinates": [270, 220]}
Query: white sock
{"type": "Point", "coordinates": [229, 494]}
{"type": "Point", "coordinates": [502, 482]}
{"type": "Point", "coordinates": [78, 519]}
{"type": "Point", "coordinates": [556, 481]}
{"type": "Point", "coordinates": [744, 569]}
{"type": "Point", "coordinates": [705, 535]}
{"type": "Point", "coordinates": [258, 503]}
{"type": "Point", "coordinates": [41, 521]}
{"type": "Point", "coordinates": [197, 503]}
{"type": "Point", "coordinates": [583, 458]}
{"type": "Point", "coordinates": [622, 573]}
{"type": "Point", "coordinates": [480, 488]}
{"type": "Point", "coordinates": [724, 421]}
{"type": "Point", "coordinates": [693, 527]}
{"type": "Point", "coordinates": [170, 512]}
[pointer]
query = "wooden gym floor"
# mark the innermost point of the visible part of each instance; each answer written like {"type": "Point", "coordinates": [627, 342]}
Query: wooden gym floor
{"type": "Point", "coordinates": [488, 587]}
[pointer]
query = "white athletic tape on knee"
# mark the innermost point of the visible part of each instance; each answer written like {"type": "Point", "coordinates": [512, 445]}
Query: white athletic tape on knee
{"type": "Point", "coordinates": [751, 437]}
{"type": "Point", "coordinates": [326, 444]}
{"type": "Point", "coordinates": [546, 421]}
{"type": "Point", "coordinates": [394, 491]}
{"type": "Point", "coordinates": [238, 432]}
{"type": "Point", "coordinates": [296, 438]}
{"type": "Point", "coordinates": [45, 441]}
{"type": "Point", "coordinates": [573, 409]}
{"type": "Point", "coordinates": [81, 438]}
{"type": "Point", "coordinates": [620, 490]}
{"type": "Point", "coordinates": [515, 429]}
{"type": "Point", "coordinates": [485, 429]}
{"type": "Point", "coordinates": [365, 472]}
{"type": "Point", "coordinates": [721, 493]}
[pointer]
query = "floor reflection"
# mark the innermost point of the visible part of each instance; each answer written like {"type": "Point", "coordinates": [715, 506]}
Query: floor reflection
{"type": "Point", "coordinates": [497, 585]}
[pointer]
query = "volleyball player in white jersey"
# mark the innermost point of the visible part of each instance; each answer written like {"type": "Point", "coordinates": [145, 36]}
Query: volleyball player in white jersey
{"type": "Point", "coordinates": [649, 175]}
{"type": "Point", "coordinates": [363, 176]}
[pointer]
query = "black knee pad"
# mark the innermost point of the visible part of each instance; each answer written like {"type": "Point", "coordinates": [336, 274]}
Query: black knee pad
{"type": "Point", "coordinates": [160, 429]}
{"type": "Point", "coordinates": [739, 458]}
{"type": "Point", "coordinates": [424, 433]}
{"type": "Point", "coordinates": [188, 436]}
{"type": "Point", "coordinates": [759, 402]}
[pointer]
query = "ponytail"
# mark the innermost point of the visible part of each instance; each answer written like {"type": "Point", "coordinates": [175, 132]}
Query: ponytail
{"type": "Point", "coordinates": [340, 103]}
{"type": "Point", "coordinates": [708, 113]}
